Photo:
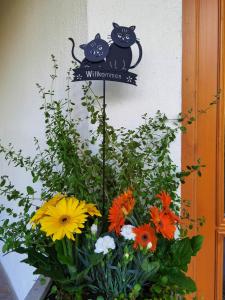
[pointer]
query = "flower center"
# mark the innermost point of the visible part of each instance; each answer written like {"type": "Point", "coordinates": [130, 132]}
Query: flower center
{"type": "Point", "coordinates": [144, 237]}
{"type": "Point", "coordinates": [64, 219]}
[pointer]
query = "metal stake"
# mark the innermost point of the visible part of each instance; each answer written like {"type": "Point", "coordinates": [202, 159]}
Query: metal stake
{"type": "Point", "coordinates": [103, 150]}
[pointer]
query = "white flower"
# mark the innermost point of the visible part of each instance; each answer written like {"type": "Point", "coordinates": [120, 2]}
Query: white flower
{"type": "Point", "coordinates": [104, 244]}
{"type": "Point", "coordinates": [149, 246]}
{"type": "Point", "coordinates": [94, 229]}
{"type": "Point", "coordinates": [127, 232]}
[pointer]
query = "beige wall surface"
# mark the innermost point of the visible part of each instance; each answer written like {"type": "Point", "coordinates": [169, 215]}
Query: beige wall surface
{"type": "Point", "coordinates": [158, 27]}
{"type": "Point", "coordinates": [30, 31]}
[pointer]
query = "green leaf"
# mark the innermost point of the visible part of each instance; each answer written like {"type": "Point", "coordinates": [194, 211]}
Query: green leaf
{"type": "Point", "coordinates": [21, 250]}
{"type": "Point", "coordinates": [30, 190]}
{"type": "Point", "coordinates": [156, 288]}
{"type": "Point", "coordinates": [65, 260]}
{"type": "Point", "coordinates": [176, 277]}
{"type": "Point", "coordinates": [181, 252]}
{"type": "Point", "coordinates": [150, 267]}
{"type": "Point", "coordinates": [96, 258]}
{"type": "Point", "coordinates": [5, 248]}
{"type": "Point", "coordinates": [42, 280]}
{"type": "Point", "coordinates": [196, 243]}
{"type": "Point", "coordinates": [54, 290]}
{"type": "Point", "coordinates": [3, 182]}
{"type": "Point", "coordinates": [164, 280]}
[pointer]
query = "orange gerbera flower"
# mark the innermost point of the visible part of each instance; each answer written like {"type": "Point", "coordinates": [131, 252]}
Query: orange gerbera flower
{"type": "Point", "coordinates": [121, 207]}
{"type": "Point", "coordinates": [165, 198]}
{"type": "Point", "coordinates": [166, 201]}
{"type": "Point", "coordinates": [145, 237]}
{"type": "Point", "coordinates": [173, 217]}
{"type": "Point", "coordinates": [116, 219]}
{"type": "Point", "coordinates": [167, 228]}
{"type": "Point", "coordinates": [163, 222]}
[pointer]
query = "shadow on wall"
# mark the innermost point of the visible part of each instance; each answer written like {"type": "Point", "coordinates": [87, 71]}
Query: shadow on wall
{"type": "Point", "coordinates": [6, 290]}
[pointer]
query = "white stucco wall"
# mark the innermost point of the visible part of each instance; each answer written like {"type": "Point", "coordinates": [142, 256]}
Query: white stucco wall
{"type": "Point", "coordinates": [30, 30]}
{"type": "Point", "coordinates": [158, 26]}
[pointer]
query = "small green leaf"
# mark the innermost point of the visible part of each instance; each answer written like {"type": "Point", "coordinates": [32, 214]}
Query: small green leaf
{"type": "Point", "coordinates": [164, 280]}
{"type": "Point", "coordinates": [5, 248]}
{"type": "Point", "coordinates": [42, 280]}
{"type": "Point", "coordinates": [196, 243]}
{"type": "Point", "coordinates": [53, 290]}
{"type": "Point", "coordinates": [30, 190]}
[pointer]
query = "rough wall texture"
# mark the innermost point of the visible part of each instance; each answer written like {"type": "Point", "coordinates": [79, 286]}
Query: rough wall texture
{"type": "Point", "coordinates": [30, 30]}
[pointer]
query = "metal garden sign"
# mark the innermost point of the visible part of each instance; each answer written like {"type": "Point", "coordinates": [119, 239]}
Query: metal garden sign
{"type": "Point", "coordinates": [108, 62]}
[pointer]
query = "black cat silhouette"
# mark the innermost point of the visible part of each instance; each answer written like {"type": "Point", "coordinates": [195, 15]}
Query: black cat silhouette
{"type": "Point", "coordinates": [95, 52]}
{"type": "Point", "coordinates": [120, 53]}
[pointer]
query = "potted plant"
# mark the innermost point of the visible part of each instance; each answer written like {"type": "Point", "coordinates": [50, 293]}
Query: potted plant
{"type": "Point", "coordinates": [128, 240]}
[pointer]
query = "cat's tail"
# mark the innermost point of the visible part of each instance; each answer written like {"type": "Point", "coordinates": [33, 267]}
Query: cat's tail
{"type": "Point", "coordinates": [72, 51]}
{"type": "Point", "coordinates": [140, 55]}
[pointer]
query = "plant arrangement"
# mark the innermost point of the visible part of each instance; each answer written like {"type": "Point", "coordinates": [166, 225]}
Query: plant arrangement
{"type": "Point", "coordinates": [134, 244]}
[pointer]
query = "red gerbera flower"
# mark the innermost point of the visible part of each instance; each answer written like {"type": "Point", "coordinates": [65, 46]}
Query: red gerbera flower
{"type": "Point", "coordinates": [163, 222]}
{"type": "Point", "coordinates": [173, 217]}
{"type": "Point", "coordinates": [145, 237]}
{"type": "Point", "coordinates": [167, 228]}
{"type": "Point", "coordinates": [116, 219]}
{"type": "Point", "coordinates": [165, 198]}
{"type": "Point", "coordinates": [166, 201]}
{"type": "Point", "coordinates": [121, 207]}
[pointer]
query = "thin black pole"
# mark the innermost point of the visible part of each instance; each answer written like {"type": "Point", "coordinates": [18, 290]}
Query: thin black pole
{"type": "Point", "coordinates": [103, 150]}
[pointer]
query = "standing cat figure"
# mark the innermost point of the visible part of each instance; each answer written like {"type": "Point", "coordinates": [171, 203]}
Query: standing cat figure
{"type": "Point", "coordinates": [95, 52]}
{"type": "Point", "coordinates": [120, 53]}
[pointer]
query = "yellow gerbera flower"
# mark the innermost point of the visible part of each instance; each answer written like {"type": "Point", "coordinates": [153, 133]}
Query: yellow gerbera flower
{"type": "Point", "coordinates": [64, 219]}
{"type": "Point", "coordinates": [41, 212]}
{"type": "Point", "coordinates": [92, 209]}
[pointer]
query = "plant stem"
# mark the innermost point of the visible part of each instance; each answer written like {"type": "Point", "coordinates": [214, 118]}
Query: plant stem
{"type": "Point", "coordinates": [76, 250]}
{"type": "Point", "coordinates": [64, 247]}
{"type": "Point", "coordinates": [70, 249]}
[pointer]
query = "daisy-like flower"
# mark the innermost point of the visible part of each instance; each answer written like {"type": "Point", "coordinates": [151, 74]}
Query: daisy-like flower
{"type": "Point", "coordinates": [41, 212]}
{"type": "Point", "coordinates": [127, 232]}
{"type": "Point", "coordinates": [166, 201]}
{"type": "Point", "coordinates": [64, 219]}
{"type": "Point", "coordinates": [92, 209]}
{"type": "Point", "coordinates": [120, 209]}
{"type": "Point", "coordinates": [103, 244]}
{"type": "Point", "coordinates": [145, 237]}
{"type": "Point", "coordinates": [163, 222]}
{"type": "Point", "coordinates": [165, 198]}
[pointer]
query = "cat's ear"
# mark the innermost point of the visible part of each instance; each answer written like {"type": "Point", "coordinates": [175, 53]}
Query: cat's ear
{"type": "Point", "coordinates": [97, 37]}
{"type": "Point", "coordinates": [115, 25]}
{"type": "Point", "coordinates": [83, 46]}
{"type": "Point", "coordinates": [132, 27]}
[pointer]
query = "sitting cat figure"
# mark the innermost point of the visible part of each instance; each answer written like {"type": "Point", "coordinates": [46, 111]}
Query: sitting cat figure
{"type": "Point", "coordinates": [95, 52]}
{"type": "Point", "coordinates": [120, 53]}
